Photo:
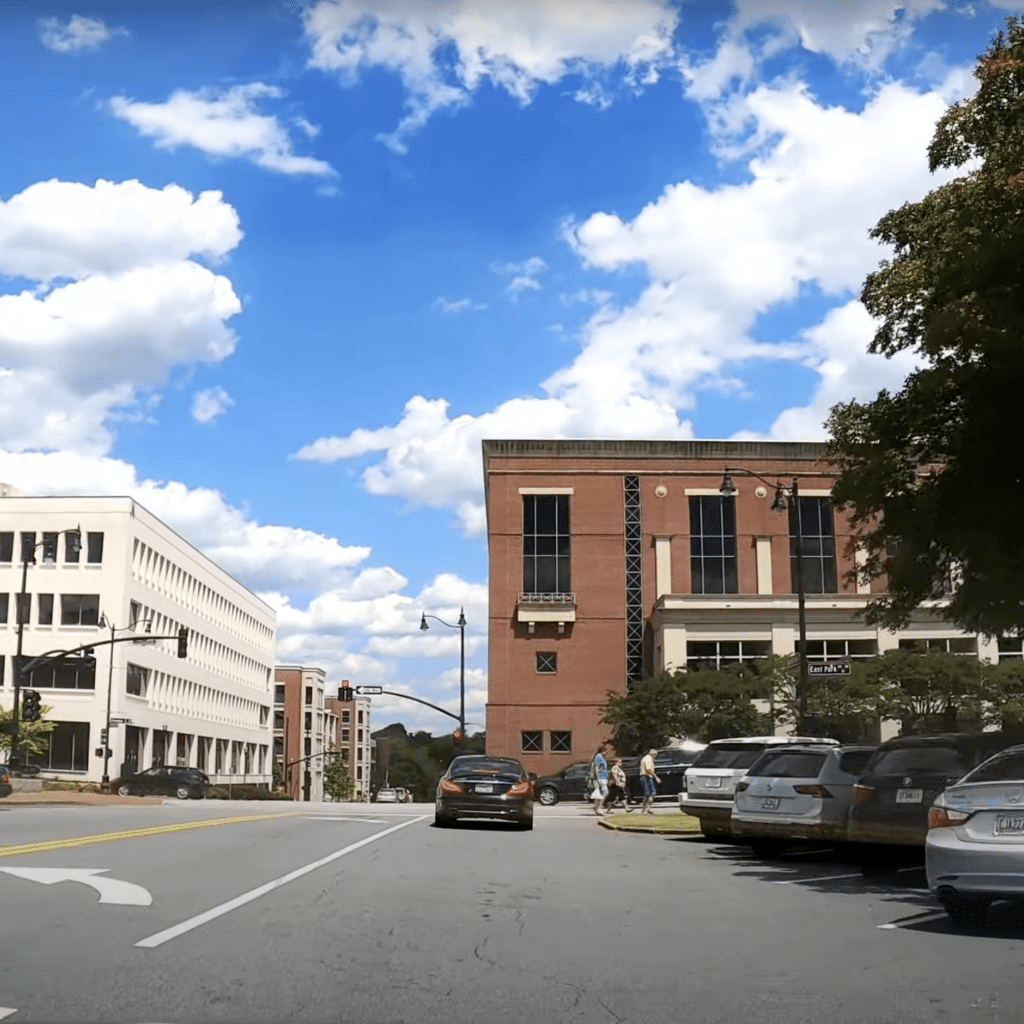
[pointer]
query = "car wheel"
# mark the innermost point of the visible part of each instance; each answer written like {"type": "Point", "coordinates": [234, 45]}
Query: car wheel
{"type": "Point", "coordinates": [964, 911]}
{"type": "Point", "coordinates": [443, 820]}
{"type": "Point", "coordinates": [182, 792]}
{"type": "Point", "coordinates": [714, 831]}
{"type": "Point", "coordinates": [124, 790]}
{"type": "Point", "coordinates": [766, 849]}
{"type": "Point", "coordinates": [548, 796]}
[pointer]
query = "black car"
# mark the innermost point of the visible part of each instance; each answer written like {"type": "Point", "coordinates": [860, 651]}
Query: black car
{"type": "Point", "coordinates": [570, 783]}
{"type": "Point", "coordinates": [184, 783]}
{"type": "Point", "coordinates": [900, 782]}
{"type": "Point", "coordinates": [670, 766]}
{"type": "Point", "coordinates": [478, 786]}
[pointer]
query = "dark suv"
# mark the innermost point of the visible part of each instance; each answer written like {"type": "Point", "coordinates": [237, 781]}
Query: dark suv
{"type": "Point", "coordinates": [901, 781]}
{"type": "Point", "coordinates": [569, 784]}
{"type": "Point", "coordinates": [670, 766]}
{"type": "Point", "coordinates": [164, 779]}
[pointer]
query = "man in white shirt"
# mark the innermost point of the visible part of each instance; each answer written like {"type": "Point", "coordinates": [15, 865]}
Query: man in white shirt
{"type": "Point", "coordinates": [648, 780]}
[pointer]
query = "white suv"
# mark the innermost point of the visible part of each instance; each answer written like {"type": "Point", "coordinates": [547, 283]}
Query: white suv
{"type": "Point", "coordinates": [709, 784]}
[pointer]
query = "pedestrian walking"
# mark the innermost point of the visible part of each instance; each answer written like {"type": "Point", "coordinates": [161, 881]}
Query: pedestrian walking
{"type": "Point", "coordinates": [599, 780]}
{"type": "Point", "coordinates": [648, 780]}
{"type": "Point", "coordinates": [617, 785]}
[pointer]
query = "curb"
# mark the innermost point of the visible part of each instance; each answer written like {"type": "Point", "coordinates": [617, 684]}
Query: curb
{"type": "Point", "coordinates": [651, 831]}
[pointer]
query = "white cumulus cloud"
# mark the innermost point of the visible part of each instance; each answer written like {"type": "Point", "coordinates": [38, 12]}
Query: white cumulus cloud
{"type": "Point", "coordinates": [210, 403]}
{"type": "Point", "coordinates": [223, 123]}
{"type": "Point", "coordinates": [444, 305]}
{"type": "Point", "coordinates": [80, 33]}
{"type": "Point", "coordinates": [444, 51]}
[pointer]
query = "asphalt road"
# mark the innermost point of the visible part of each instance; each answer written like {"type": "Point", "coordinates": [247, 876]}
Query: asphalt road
{"type": "Point", "coordinates": [362, 914]}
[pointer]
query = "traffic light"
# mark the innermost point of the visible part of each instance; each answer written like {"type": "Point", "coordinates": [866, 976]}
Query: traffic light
{"type": "Point", "coordinates": [30, 706]}
{"type": "Point", "coordinates": [457, 735]}
{"type": "Point", "coordinates": [345, 693]}
{"type": "Point", "coordinates": [103, 737]}
{"type": "Point", "coordinates": [183, 642]}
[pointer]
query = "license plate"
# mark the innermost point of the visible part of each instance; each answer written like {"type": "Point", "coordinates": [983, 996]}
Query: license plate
{"type": "Point", "coordinates": [713, 783]}
{"type": "Point", "coordinates": [1009, 824]}
{"type": "Point", "coordinates": [909, 796]}
{"type": "Point", "coordinates": [485, 789]}
{"type": "Point", "coordinates": [769, 803]}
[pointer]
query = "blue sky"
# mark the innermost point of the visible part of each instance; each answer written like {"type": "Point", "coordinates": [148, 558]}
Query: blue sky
{"type": "Point", "coordinates": [277, 270]}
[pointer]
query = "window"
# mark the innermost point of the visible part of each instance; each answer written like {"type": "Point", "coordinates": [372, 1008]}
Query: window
{"type": "Point", "coordinates": [359, 735]}
{"type": "Point", "coordinates": [967, 645]}
{"type": "Point", "coordinates": [219, 751]}
{"type": "Point", "coordinates": [812, 519]}
{"type": "Point", "coordinates": [279, 694]}
{"type": "Point", "coordinates": [827, 650]}
{"type": "Point", "coordinates": [67, 748]}
{"type": "Point", "coordinates": [561, 741]}
{"type": "Point", "coordinates": [346, 735]}
{"type": "Point", "coordinates": [6, 546]}
{"type": "Point", "coordinates": [278, 746]}
{"type": "Point", "coordinates": [28, 547]}
{"type": "Point", "coordinates": [5, 602]}
{"type": "Point", "coordinates": [346, 716]}
{"type": "Point", "coordinates": [95, 548]}
{"type": "Point", "coordinates": [532, 743]}
{"type": "Point", "coordinates": [854, 761]}
{"type": "Point", "coordinates": [264, 715]}
{"type": "Point", "coordinates": [359, 753]}
{"type": "Point", "coordinates": [309, 694]}
{"type": "Point", "coordinates": [307, 747]}
{"type": "Point", "coordinates": [3, 661]}
{"type": "Point", "coordinates": [788, 765]}
{"type": "Point", "coordinates": [45, 605]}
{"type": "Point", "coordinates": [344, 754]}
{"type": "Point", "coordinates": [547, 661]}
{"type": "Point", "coordinates": [24, 604]}
{"type": "Point", "coordinates": [359, 718]}
{"type": "Point", "coordinates": [50, 547]}
{"type": "Point", "coordinates": [68, 674]}
{"type": "Point", "coordinates": [136, 680]}
{"type": "Point", "coordinates": [718, 654]}
{"type": "Point", "coordinates": [72, 546]}
{"type": "Point", "coordinates": [79, 609]}
{"type": "Point", "coordinates": [546, 544]}
{"type": "Point", "coordinates": [1010, 648]}
{"type": "Point", "coordinates": [1006, 767]}
{"type": "Point", "coordinates": [359, 771]}
{"type": "Point", "coordinates": [713, 545]}
{"type": "Point", "coordinates": [309, 721]}
{"type": "Point", "coordinates": [278, 719]}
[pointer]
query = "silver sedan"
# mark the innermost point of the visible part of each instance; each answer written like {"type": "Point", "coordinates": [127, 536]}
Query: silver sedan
{"type": "Point", "coordinates": [974, 853]}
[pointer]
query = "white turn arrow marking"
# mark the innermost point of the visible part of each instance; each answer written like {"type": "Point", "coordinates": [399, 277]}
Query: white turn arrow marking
{"type": "Point", "coordinates": [6, 1011]}
{"type": "Point", "coordinates": [111, 890]}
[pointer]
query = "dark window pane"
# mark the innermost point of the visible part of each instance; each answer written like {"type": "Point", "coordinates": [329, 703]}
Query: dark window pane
{"type": "Point", "coordinates": [545, 513]}
{"type": "Point", "coordinates": [546, 578]}
{"type": "Point", "coordinates": [853, 763]}
{"type": "Point", "coordinates": [789, 766]}
{"type": "Point", "coordinates": [712, 545]}
{"type": "Point", "coordinates": [6, 546]}
{"type": "Point", "coordinates": [90, 609]}
{"type": "Point", "coordinates": [95, 553]}
{"type": "Point", "coordinates": [24, 605]}
{"type": "Point", "coordinates": [45, 602]}
{"type": "Point", "coordinates": [4, 606]}
{"type": "Point", "coordinates": [49, 547]}
{"type": "Point", "coordinates": [529, 517]}
{"type": "Point", "coordinates": [1001, 768]}
{"type": "Point", "coordinates": [561, 741]}
{"type": "Point", "coordinates": [531, 741]}
{"type": "Point", "coordinates": [564, 581]}
{"type": "Point", "coordinates": [28, 547]}
{"type": "Point", "coordinates": [72, 545]}
{"type": "Point", "coordinates": [729, 648]}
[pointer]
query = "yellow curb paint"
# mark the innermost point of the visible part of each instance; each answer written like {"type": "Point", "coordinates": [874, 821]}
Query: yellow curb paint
{"type": "Point", "coordinates": [135, 833]}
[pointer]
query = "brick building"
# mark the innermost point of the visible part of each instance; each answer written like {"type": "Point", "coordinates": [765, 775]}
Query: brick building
{"type": "Point", "coordinates": [613, 560]}
{"type": "Point", "coordinates": [352, 738]}
{"type": "Point", "coordinates": [303, 726]}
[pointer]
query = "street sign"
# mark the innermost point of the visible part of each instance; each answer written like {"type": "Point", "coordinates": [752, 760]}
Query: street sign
{"type": "Point", "coordinates": [369, 689]}
{"type": "Point", "coordinates": [118, 721]}
{"type": "Point", "coordinates": [829, 668]}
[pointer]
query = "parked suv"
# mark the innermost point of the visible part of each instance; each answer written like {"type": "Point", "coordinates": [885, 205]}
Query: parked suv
{"type": "Point", "coordinates": [797, 792]}
{"type": "Point", "coordinates": [569, 784]}
{"type": "Point", "coordinates": [901, 781]}
{"type": "Point", "coordinates": [709, 784]}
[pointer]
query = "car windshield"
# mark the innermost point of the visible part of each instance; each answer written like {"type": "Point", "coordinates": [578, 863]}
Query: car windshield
{"type": "Point", "coordinates": [729, 755]}
{"type": "Point", "coordinates": [485, 765]}
{"type": "Point", "coordinates": [1002, 768]}
{"type": "Point", "coordinates": [674, 756]}
{"type": "Point", "coordinates": [789, 765]}
{"type": "Point", "coordinates": [899, 760]}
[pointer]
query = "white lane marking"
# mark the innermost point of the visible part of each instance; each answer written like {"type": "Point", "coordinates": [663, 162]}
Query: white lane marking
{"type": "Point", "coordinates": [247, 897]}
{"type": "Point", "coordinates": [824, 878]}
{"type": "Point", "coordinates": [111, 890]}
{"type": "Point", "coordinates": [921, 918]}
{"type": "Point", "coordinates": [337, 817]}
{"type": "Point", "coordinates": [6, 1011]}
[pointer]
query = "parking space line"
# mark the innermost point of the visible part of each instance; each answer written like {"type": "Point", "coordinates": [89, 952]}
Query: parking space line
{"type": "Point", "coordinates": [135, 833]}
{"type": "Point", "coordinates": [825, 878]}
{"type": "Point", "coordinates": [913, 918]}
{"type": "Point", "coordinates": [247, 897]}
{"type": "Point", "coordinates": [6, 1011]}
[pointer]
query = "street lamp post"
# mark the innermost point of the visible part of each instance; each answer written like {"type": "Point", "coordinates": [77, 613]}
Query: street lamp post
{"type": "Point", "coordinates": [21, 613]}
{"type": "Point", "coordinates": [786, 499]}
{"type": "Point", "coordinates": [461, 627]}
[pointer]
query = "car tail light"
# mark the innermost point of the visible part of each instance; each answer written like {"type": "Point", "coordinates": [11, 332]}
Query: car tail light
{"type": "Point", "coordinates": [812, 790]}
{"type": "Point", "coordinates": [520, 788]}
{"type": "Point", "coordinates": [945, 817]}
{"type": "Point", "coordinates": [448, 786]}
{"type": "Point", "coordinates": [862, 794]}
{"type": "Point", "coordinates": [742, 787]}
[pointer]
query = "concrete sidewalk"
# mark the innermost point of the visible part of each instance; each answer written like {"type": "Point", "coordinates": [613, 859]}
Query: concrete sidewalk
{"type": "Point", "coordinates": [74, 797]}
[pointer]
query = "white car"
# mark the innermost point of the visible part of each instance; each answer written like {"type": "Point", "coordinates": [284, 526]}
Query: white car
{"type": "Point", "coordinates": [387, 796]}
{"type": "Point", "coordinates": [709, 784]}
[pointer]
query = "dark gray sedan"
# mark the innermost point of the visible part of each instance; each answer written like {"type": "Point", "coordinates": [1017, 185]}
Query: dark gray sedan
{"type": "Point", "coordinates": [478, 786]}
{"type": "Point", "coordinates": [168, 780]}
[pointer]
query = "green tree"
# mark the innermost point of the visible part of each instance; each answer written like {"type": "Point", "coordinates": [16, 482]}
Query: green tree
{"type": "Point", "coordinates": [338, 783]}
{"type": "Point", "coordinates": [702, 705]}
{"type": "Point", "coordinates": [32, 736]}
{"type": "Point", "coordinates": [932, 476]}
{"type": "Point", "coordinates": [1003, 690]}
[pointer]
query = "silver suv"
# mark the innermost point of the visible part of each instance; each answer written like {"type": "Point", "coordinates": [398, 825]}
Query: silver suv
{"type": "Point", "coordinates": [709, 784]}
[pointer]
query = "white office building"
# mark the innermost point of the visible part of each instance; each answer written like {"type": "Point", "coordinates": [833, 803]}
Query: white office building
{"type": "Point", "coordinates": [129, 575]}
